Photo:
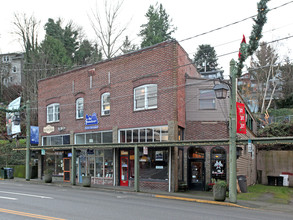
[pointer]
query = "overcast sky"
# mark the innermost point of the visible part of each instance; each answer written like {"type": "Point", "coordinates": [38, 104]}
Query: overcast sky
{"type": "Point", "coordinates": [191, 17]}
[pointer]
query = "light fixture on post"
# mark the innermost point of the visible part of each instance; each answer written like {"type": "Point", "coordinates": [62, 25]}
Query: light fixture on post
{"type": "Point", "coordinates": [221, 91]}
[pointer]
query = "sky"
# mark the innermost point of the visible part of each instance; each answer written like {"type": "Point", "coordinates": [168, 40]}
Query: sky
{"type": "Point", "coordinates": [191, 17]}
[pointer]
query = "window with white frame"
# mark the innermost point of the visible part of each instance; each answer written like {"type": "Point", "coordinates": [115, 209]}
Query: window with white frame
{"type": "Point", "coordinates": [145, 97]}
{"type": "Point", "coordinates": [53, 112]}
{"type": "Point", "coordinates": [207, 99]}
{"type": "Point", "coordinates": [79, 108]}
{"type": "Point", "coordinates": [146, 134]}
{"type": "Point", "coordinates": [105, 104]}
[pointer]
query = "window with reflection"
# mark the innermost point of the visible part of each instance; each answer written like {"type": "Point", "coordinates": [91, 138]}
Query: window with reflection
{"type": "Point", "coordinates": [218, 163]}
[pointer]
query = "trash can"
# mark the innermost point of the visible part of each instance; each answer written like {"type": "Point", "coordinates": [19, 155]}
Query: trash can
{"type": "Point", "coordinates": [3, 173]}
{"type": "Point", "coordinates": [242, 183]}
{"type": "Point", "coordinates": [9, 172]}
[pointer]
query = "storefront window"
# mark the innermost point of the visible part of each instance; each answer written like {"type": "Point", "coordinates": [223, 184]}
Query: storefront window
{"type": "Point", "coordinates": [153, 163]}
{"type": "Point", "coordinates": [100, 163]}
{"type": "Point", "coordinates": [218, 163]}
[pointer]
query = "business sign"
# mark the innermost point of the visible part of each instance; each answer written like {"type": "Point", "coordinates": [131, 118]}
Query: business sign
{"type": "Point", "coordinates": [34, 135]}
{"type": "Point", "coordinates": [91, 121]}
{"type": "Point", "coordinates": [241, 122]}
{"type": "Point", "coordinates": [48, 129]}
{"type": "Point", "coordinates": [13, 118]}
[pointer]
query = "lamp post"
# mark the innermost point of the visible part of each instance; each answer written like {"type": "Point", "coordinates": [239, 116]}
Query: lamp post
{"type": "Point", "coordinates": [221, 93]}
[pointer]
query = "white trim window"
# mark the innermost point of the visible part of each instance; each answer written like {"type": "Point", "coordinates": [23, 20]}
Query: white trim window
{"type": "Point", "coordinates": [207, 99]}
{"type": "Point", "coordinates": [145, 97]}
{"type": "Point", "coordinates": [105, 103]}
{"type": "Point", "coordinates": [53, 112]}
{"type": "Point", "coordinates": [79, 108]}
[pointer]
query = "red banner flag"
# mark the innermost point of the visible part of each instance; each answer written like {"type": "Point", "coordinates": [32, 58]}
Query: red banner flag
{"type": "Point", "coordinates": [241, 121]}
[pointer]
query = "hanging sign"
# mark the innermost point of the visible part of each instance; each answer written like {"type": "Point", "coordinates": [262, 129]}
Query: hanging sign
{"type": "Point", "coordinates": [241, 122]}
{"type": "Point", "coordinates": [34, 135]}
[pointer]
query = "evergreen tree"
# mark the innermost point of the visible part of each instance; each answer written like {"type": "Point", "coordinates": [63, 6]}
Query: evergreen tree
{"type": "Point", "coordinates": [205, 58]}
{"type": "Point", "coordinates": [67, 36]}
{"type": "Point", "coordinates": [54, 52]}
{"type": "Point", "coordinates": [127, 46]}
{"type": "Point", "coordinates": [158, 28]}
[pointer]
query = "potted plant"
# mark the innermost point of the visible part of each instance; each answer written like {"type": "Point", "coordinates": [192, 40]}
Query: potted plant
{"type": "Point", "coordinates": [219, 190]}
{"type": "Point", "coordinates": [86, 181]}
{"type": "Point", "coordinates": [48, 175]}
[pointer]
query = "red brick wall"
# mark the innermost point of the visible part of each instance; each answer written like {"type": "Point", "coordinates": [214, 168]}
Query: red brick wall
{"type": "Point", "coordinates": [199, 130]}
{"type": "Point", "coordinates": [152, 65]}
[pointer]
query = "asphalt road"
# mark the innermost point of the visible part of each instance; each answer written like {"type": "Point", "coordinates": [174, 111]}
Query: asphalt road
{"type": "Point", "coordinates": [33, 201]}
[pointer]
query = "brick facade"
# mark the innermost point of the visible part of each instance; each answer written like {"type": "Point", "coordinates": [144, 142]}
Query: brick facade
{"type": "Point", "coordinates": [162, 64]}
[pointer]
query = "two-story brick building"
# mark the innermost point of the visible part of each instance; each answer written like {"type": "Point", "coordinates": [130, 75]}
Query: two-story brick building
{"type": "Point", "coordinates": [154, 95]}
{"type": "Point", "coordinates": [134, 98]}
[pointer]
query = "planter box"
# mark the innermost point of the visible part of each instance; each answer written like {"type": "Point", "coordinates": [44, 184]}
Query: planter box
{"type": "Point", "coordinates": [48, 178]}
{"type": "Point", "coordinates": [86, 181]}
{"type": "Point", "coordinates": [219, 192]}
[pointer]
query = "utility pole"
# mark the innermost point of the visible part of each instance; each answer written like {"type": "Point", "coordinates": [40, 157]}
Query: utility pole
{"type": "Point", "coordinates": [232, 135]}
{"type": "Point", "coordinates": [28, 131]}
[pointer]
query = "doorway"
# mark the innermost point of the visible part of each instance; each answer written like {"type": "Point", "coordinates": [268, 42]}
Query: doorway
{"type": "Point", "coordinates": [196, 175]}
{"type": "Point", "coordinates": [124, 171]}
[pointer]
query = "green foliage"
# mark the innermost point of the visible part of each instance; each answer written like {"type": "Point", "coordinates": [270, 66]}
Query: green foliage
{"type": "Point", "coordinates": [18, 171]}
{"type": "Point", "coordinates": [54, 51]}
{"type": "Point", "coordinates": [280, 112]}
{"type": "Point", "coordinates": [274, 194]}
{"type": "Point", "coordinates": [158, 28]}
{"type": "Point", "coordinates": [83, 53]}
{"type": "Point", "coordinates": [287, 102]}
{"type": "Point", "coordinates": [277, 130]}
{"type": "Point", "coordinates": [205, 55]}
{"type": "Point", "coordinates": [221, 183]}
{"type": "Point", "coordinates": [127, 46]}
{"type": "Point", "coordinates": [8, 156]}
{"type": "Point", "coordinates": [256, 34]}
{"type": "Point", "coordinates": [67, 36]}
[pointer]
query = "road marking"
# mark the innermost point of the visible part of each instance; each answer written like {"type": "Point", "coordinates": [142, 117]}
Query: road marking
{"type": "Point", "coordinates": [9, 198]}
{"type": "Point", "coordinates": [23, 194]}
{"type": "Point", "coordinates": [29, 214]}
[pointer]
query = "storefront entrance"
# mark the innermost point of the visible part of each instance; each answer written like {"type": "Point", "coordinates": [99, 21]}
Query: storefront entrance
{"type": "Point", "coordinates": [124, 171]}
{"type": "Point", "coordinates": [196, 174]}
{"type": "Point", "coordinates": [196, 168]}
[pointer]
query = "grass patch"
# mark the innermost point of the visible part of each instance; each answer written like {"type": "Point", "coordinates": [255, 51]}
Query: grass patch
{"type": "Point", "coordinates": [274, 194]}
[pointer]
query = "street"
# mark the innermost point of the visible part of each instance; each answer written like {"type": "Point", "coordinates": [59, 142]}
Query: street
{"type": "Point", "coordinates": [33, 201]}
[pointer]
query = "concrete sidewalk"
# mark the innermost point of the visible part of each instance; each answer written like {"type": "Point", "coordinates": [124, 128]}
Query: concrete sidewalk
{"type": "Point", "coordinates": [191, 196]}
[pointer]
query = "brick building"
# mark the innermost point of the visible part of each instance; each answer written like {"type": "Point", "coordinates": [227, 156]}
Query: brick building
{"type": "Point", "coordinates": [152, 96]}
{"type": "Point", "coordinates": [133, 98]}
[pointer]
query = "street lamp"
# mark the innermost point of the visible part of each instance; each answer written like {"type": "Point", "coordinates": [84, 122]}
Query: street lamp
{"type": "Point", "coordinates": [221, 93]}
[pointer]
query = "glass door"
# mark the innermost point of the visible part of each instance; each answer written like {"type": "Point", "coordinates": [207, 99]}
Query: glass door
{"type": "Point", "coordinates": [66, 175]}
{"type": "Point", "coordinates": [124, 171]}
{"type": "Point", "coordinates": [196, 175]}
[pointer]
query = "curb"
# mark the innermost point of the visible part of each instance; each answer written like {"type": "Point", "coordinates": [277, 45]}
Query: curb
{"type": "Point", "coordinates": [202, 201]}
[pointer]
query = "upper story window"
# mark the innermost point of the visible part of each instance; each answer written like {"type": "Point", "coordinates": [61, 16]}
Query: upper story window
{"type": "Point", "coordinates": [105, 104]}
{"type": "Point", "coordinates": [207, 99]}
{"type": "Point", "coordinates": [14, 69]}
{"type": "Point", "coordinates": [53, 112]}
{"type": "Point", "coordinates": [6, 59]}
{"type": "Point", "coordinates": [145, 97]}
{"type": "Point", "coordinates": [79, 108]}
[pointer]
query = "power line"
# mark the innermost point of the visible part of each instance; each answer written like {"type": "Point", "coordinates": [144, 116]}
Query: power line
{"type": "Point", "coordinates": [233, 23]}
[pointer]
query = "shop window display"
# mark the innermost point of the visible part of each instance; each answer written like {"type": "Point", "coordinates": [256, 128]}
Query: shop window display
{"type": "Point", "coordinates": [153, 163]}
{"type": "Point", "coordinates": [218, 163]}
